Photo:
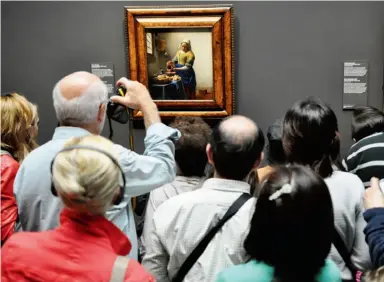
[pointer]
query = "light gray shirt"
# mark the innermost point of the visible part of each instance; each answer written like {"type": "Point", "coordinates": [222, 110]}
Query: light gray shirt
{"type": "Point", "coordinates": [39, 210]}
{"type": "Point", "coordinates": [347, 191]}
{"type": "Point", "coordinates": [181, 222]}
{"type": "Point", "coordinates": [158, 196]}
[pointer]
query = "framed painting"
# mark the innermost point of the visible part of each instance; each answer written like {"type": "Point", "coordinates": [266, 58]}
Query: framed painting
{"type": "Point", "coordinates": [185, 57]}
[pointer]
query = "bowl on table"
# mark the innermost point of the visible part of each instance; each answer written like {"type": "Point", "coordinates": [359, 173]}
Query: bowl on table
{"type": "Point", "coordinates": [162, 79]}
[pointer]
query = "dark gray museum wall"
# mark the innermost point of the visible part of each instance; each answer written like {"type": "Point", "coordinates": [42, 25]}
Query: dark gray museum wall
{"type": "Point", "coordinates": [285, 51]}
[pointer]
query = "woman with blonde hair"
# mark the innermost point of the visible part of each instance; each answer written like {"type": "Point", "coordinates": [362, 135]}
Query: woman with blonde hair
{"type": "Point", "coordinates": [88, 179]}
{"type": "Point", "coordinates": [16, 119]}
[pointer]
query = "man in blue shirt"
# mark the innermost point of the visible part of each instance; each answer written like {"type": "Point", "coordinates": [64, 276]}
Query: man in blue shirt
{"type": "Point", "coordinates": [80, 103]}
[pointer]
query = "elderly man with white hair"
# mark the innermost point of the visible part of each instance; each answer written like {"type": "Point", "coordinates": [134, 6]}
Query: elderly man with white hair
{"type": "Point", "coordinates": [80, 103]}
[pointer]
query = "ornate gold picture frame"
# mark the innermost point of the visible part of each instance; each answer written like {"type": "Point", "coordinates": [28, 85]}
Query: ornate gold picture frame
{"type": "Point", "coordinates": [185, 56]}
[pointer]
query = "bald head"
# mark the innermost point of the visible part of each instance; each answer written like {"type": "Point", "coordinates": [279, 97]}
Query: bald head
{"type": "Point", "coordinates": [236, 147]}
{"type": "Point", "coordinates": [76, 84]}
{"type": "Point", "coordinates": [238, 128]}
{"type": "Point", "coordinates": [79, 100]}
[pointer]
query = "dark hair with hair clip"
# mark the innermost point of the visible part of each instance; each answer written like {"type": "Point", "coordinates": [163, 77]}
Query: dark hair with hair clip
{"type": "Point", "coordinates": [291, 228]}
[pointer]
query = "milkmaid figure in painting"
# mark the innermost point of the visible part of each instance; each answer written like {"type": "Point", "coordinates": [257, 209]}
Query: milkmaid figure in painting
{"type": "Point", "coordinates": [183, 66]}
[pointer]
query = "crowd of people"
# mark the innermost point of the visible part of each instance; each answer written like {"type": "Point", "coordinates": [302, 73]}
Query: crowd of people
{"type": "Point", "coordinates": [212, 213]}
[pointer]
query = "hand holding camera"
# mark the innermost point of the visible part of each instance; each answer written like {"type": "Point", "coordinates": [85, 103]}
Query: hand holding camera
{"type": "Point", "coordinates": [137, 97]}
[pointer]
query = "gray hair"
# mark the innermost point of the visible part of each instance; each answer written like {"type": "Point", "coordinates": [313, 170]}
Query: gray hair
{"type": "Point", "coordinates": [83, 109]}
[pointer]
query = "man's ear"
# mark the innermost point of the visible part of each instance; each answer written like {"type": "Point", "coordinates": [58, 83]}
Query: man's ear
{"type": "Point", "coordinates": [259, 160]}
{"type": "Point", "coordinates": [354, 140]}
{"type": "Point", "coordinates": [208, 149]}
{"type": "Point", "coordinates": [101, 114]}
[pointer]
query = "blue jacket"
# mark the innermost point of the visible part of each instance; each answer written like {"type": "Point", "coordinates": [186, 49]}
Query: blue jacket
{"type": "Point", "coordinates": [374, 235]}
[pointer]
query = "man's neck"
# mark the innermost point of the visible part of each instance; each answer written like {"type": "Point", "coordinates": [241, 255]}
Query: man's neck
{"type": "Point", "coordinates": [87, 127]}
{"type": "Point", "coordinates": [216, 175]}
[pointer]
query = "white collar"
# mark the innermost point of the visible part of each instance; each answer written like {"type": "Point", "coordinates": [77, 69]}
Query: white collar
{"type": "Point", "coordinates": [226, 185]}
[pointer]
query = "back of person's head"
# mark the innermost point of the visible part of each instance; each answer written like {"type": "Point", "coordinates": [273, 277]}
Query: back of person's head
{"type": "Point", "coordinates": [374, 275]}
{"type": "Point", "coordinates": [235, 147]}
{"type": "Point", "coordinates": [80, 100]}
{"type": "Point", "coordinates": [276, 155]}
{"type": "Point", "coordinates": [291, 228]}
{"type": "Point", "coordinates": [366, 121]}
{"type": "Point", "coordinates": [16, 119]}
{"type": "Point", "coordinates": [87, 181]}
{"type": "Point", "coordinates": [190, 154]}
{"type": "Point", "coordinates": [310, 136]}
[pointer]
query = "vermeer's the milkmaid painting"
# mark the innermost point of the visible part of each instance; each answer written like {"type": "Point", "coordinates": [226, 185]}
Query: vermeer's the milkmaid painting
{"type": "Point", "coordinates": [184, 55]}
{"type": "Point", "coordinates": [180, 64]}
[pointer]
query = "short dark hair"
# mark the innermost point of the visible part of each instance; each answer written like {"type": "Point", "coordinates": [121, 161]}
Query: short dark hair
{"type": "Point", "coordinates": [276, 155]}
{"type": "Point", "coordinates": [235, 159]}
{"type": "Point", "coordinates": [190, 153]}
{"type": "Point", "coordinates": [366, 121]}
{"type": "Point", "coordinates": [310, 136]}
{"type": "Point", "coordinates": [296, 228]}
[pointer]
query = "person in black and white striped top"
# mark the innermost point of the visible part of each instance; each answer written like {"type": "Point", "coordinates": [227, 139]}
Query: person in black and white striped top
{"type": "Point", "coordinates": [366, 157]}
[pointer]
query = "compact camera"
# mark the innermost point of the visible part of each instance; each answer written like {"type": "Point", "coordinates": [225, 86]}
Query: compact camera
{"type": "Point", "coordinates": [116, 111]}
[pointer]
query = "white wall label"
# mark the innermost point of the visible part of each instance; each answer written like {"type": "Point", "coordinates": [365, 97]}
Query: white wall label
{"type": "Point", "coordinates": [355, 84]}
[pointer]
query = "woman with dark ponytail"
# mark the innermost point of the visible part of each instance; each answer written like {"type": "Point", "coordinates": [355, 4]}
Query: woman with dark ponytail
{"type": "Point", "coordinates": [291, 231]}
{"type": "Point", "coordinates": [311, 138]}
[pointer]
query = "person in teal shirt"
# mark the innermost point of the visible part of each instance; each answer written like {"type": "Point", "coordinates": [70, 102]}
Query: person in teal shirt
{"type": "Point", "coordinates": [291, 231]}
{"type": "Point", "coordinates": [254, 271]}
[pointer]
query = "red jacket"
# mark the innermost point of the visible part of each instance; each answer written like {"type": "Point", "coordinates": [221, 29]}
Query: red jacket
{"type": "Point", "coordinates": [9, 169]}
{"type": "Point", "coordinates": [82, 249]}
